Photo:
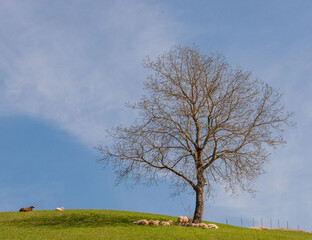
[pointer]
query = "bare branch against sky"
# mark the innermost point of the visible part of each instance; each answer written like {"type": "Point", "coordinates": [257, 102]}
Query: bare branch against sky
{"type": "Point", "coordinates": [201, 122]}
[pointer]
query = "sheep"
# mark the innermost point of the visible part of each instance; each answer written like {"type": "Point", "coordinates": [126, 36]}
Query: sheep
{"type": "Point", "coordinates": [182, 220]}
{"type": "Point", "coordinates": [60, 209]}
{"type": "Point", "coordinates": [212, 226]}
{"type": "Point", "coordinates": [153, 222]}
{"type": "Point", "coordinates": [141, 222]}
{"type": "Point", "coordinates": [166, 223]}
{"type": "Point", "coordinates": [203, 225]}
{"type": "Point", "coordinates": [26, 209]}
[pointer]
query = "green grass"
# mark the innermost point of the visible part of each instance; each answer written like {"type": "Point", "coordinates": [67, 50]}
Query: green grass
{"type": "Point", "coordinates": [108, 224]}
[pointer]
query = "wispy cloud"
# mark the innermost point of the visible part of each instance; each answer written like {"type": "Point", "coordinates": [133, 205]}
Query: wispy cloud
{"type": "Point", "coordinates": [78, 67]}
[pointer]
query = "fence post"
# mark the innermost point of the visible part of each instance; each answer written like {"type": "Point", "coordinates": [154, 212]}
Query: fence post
{"type": "Point", "coordinates": [242, 222]}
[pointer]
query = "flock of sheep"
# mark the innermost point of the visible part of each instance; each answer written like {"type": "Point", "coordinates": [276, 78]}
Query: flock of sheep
{"type": "Point", "coordinates": [182, 221]}
{"type": "Point", "coordinates": [153, 222]}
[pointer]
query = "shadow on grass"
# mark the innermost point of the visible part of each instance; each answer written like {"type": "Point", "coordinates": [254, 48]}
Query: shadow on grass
{"type": "Point", "coordinates": [74, 220]}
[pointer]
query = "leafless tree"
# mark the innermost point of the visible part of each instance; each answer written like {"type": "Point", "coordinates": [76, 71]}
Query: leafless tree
{"type": "Point", "coordinates": [201, 122]}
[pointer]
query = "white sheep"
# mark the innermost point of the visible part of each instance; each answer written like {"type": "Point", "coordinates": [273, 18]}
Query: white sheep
{"type": "Point", "coordinates": [166, 223]}
{"type": "Point", "coordinates": [141, 222]}
{"type": "Point", "coordinates": [203, 225]}
{"type": "Point", "coordinates": [182, 220]}
{"type": "Point", "coordinates": [212, 226]}
{"type": "Point", "coordinates": [153, 222]}
{"type": "Point", "coordinates": [60, 209]}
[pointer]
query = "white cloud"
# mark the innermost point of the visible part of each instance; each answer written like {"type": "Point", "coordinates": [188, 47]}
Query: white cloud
{"type": "Point", "coordinates": [78, 72]}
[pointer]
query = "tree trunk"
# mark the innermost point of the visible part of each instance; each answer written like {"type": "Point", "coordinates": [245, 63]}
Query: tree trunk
{"type": "Point", "coordinates": [199, 209]}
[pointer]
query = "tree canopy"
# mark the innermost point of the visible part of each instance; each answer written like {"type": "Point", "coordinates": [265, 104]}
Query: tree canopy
{"type": "Point", "coordinates": [200, 122]}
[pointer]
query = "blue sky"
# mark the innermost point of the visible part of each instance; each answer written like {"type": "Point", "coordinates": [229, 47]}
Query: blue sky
{"type": "Point", "coordinates": [68, 67]}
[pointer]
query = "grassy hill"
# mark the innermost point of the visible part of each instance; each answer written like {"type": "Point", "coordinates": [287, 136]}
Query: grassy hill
{"type": "Point", "coordinates": [109, 224]}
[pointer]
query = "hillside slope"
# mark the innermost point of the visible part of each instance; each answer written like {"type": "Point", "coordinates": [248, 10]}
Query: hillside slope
{"type": "Point", "coordinates": [109, 224]}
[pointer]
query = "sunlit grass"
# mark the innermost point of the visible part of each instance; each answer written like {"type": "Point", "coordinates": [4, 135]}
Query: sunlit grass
{"type": "Point", "coordinates": [109, 224]}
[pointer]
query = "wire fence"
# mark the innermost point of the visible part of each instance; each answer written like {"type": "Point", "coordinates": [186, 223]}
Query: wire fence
{"type": "Point", "coordinates": [269, 223]}
{"type": "Point", "coordinates": [260, 222]}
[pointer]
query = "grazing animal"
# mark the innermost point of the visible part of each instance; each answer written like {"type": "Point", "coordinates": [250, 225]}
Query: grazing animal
{"type": "Point", "coordinates": [199, 225]}
{"type": "Point", "coordinates": [141, 222]}
{"type": "Point", "coordinates": [166, 223]}
{"type": "Point", "coordinates": [153, 222]}
{"type": "Point", "coordinates": [202, 225]}
{"type": "Point", "coordinates": [26, 209]}
{"type": "Point", "coordinates": [60, 209]}
{"type": "Point", "coordinates": [212, 226]}
{"type": "Point", "coordinates": [182, 220]}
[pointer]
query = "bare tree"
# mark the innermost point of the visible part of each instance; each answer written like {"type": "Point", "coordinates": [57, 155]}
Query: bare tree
{"type": "Point", "coordinates": [201, 122]}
